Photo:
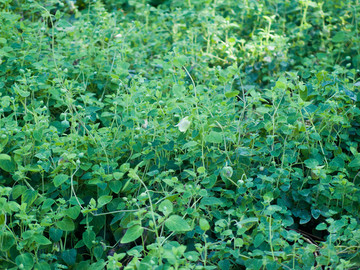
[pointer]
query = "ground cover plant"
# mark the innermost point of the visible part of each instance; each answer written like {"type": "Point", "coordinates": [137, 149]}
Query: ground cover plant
{"type": "Point", "coordinates": [179, 134]}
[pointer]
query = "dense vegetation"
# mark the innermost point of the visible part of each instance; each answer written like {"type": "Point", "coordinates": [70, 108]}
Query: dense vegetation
{"type": "Point", "coordinates": [199, 134]}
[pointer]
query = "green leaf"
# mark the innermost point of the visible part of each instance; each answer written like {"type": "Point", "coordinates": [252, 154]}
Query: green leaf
{"type": "Point", "coordinates": [105, 199]}
{"type": "Point", "coordinates": [201, 170]}
{"type": "Point", "coordinates": [17, 191]}
{"type": "Point", "coordinates": [214, 137]}
{"type": "Point", "coordinates": [190, 145]}
{"type": "Point", "coordinates": [79, 244]}
{"type": "Point", "coordinates": [322, 226]}
{"type": "Point", "coordinates": [340, 37]}
{"type": "Point", "coordinates": [41, 240]}
{"type": "Point", "coordinates": [98, 265]}
{"type": "Point", "coordinates": [69, 256]}
{"type": "Point", "coordinates": [166, 207]}
{"type": "Point", "coordinates": [21, 92]}
{"type": "Point", "coordinates": [2, 219]}
{"type": "Point", "coordinates": [305, 217]}
{"type": "Point", "coordinates": [179, 61]}
{"type": "Point", "coordinates": [303, 91]}
{"type": "Point", "coordinates": [178, 90]}
{"type": "Point", "coordinates": [311, 163]}
{"type": "Point", "coordinates": [6, 163]}
{"type": "Point", "coordinates": [191, 173]}
{"type": "Point", "coordinates": [204, 224]}
{"type": "Point", "coordinates": [73, 212]}
{"type": "Point", "coordinates": [337, 163]}
{"type": "Point", "coordinates": [210, 201]}
{"type": "Point", "coordinates": [29, 196]}
{"type": "Point", "coordinates": [192, 256]}
{"type": "Point", "coordinates": [315, 213]}
{"type": "Point", "coordinates": [118, 175]}
{"type": "Point", "coordinates": [232, 94]}
{"type": "Point", "coordinates": [177, 224]}
{"type": "Point", "coordinates": [42, 266]}
{"type": "Point", "coordinates": [280, 84]}
{"type": "Point", "coordinates": [6, 240]}
{"type": "Point", "coordinates": [355, 163]}
{"type": "Point", "coordinates": [316, 136]}
{"type": "Point", "coordinates": [67, 225]}
{"type": "Point", "coordinates": [115, 186]}
{"type": "Point", "coordinates": [254, 264]}
{"type": "Point", "coordinates": [114, 76]}
{"type": "Point", "coordinates": [248, 220]}
{"type": "Point", "coordinates": [132, 234]}
{"type": "Point", "coordinates": [125, 167]}
{"type": "Point", "coordinates": [209, 181]}
{"type": "Point", "coordinates": [25, 261]}
{"type": "Point", "coordinates": [98, 252]}
{"type": "Point", "coordinates": [59, 179]}
{"type": "Point", "coordinates": [268, 196]}
{"type": "Point", "coordinates": [88, 238]}
{"type": "Point", "coordinates": [38, 134]}
{"type": "Point", "coordinates": [55, 234]}
{"type": "Point", "coordinates": [258, 240]}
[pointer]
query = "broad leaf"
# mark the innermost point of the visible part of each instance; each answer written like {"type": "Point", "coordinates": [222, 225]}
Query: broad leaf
{"type": "Point", "coordinates": [66, 224]}
{"type": "Point", "coordinates": [166, 207]}
{"type": "Point", "coordinates": [60, 179]}
{"type": "Point", "coordinates": [204, 224]}
{"type": "Point", "coordinates": [214, 137]}
{"type": "Point", "coordinates": [355, 163]}
{"type": "Point", "coordinates": [177, 224]}
{"type": "Point", "coordinates": [25, 261]}
{"type": "Point", "coordinates": [6, 163]}
{"type": "Point", "coordinates": [104, 200]}
{"type": "Point", "coordinates": [69, 256]}
{"type": "Point", "coordinates": [132, 234]}
{"type": "Point", "coordinates": [88, 238]}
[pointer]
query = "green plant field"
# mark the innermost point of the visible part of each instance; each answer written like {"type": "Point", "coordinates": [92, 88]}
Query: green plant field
{"type": "Point", "coordinates": [168, 134]}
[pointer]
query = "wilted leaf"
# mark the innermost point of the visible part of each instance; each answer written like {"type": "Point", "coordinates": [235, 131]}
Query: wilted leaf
{"type": "Point", "coordinates": [184, 124]}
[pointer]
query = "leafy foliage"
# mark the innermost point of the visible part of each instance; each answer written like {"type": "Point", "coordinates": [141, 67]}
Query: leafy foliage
{"type": "Point", "coordinates": [179, 134]}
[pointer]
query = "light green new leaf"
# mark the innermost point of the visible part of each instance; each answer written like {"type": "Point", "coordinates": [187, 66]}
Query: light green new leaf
{"type": "Point", "coordinates": [204, 224]}
{"type": "Point", "coordinates": [231, 94]}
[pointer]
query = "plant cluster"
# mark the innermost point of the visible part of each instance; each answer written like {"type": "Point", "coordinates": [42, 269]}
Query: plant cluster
{"type": "Point", "coordinates": [199, 134]}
